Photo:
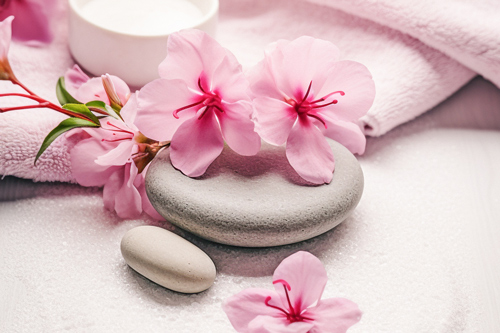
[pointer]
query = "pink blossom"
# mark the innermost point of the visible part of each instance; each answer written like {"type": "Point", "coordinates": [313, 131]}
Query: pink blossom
{"type": "Point", "coordinates": [5, 38]}
{"type": "Point", "coordinates": [295, 306]}
{"type": "Point", "coordinates": [116, 156]}
{"type": "Point", "coordinates": [32, 18]}
{"type": "Point", "coordinates": [303, 93]}
{"type": "Point", "coordinates": [86, 89]}
{"type": "Point", "coordinates": [199, 101]}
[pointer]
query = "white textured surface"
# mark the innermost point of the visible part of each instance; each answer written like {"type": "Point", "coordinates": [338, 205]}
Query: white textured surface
{"type": "Point", "coordinates": [420, 253]}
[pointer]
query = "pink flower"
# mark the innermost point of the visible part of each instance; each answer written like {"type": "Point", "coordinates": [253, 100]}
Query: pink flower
{"type": "Point", "coordinates": [5, 38]}
{"type": "Point", "coordinates": [32, 18]}
{"type": "Point", "coordinates": [199, 101]}
{"type": "Point", "coordinates": [86, 89]}
{"type": "Point", "coordinates": [303, 93]}
{"type": "Point", "coordinates": [115, 156]}
{"type": "Point", "coordinates": [295, 306]}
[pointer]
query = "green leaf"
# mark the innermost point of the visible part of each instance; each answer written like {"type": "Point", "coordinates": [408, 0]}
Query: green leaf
{"type": "Point", "coordinates": [64, 126]}
{"type": "Point", "coordinates": [63, 95]}
{"type": "Point", "coordinates": [83, 110]}
{"type": "Point", "coordinates": [104, 108]}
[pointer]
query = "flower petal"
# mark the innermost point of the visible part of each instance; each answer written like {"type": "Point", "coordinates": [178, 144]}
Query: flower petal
{"type": "Point", "coordinates": [267, 324]}
{"type": "Point", "coordinates": [117, 156]}
{"type": "Point", "coordinates": [262, 76]}
{"type": "Point", "coordinates": [121, 195]}
{"type": "Point", "coordinates": [129, 111]}
{"type": "Point", "coordinates": [309, 153]}
{"type": "Point", "coordinates": [356, 82]}
{"type": "Point", "coordinates": [32, 19]}
{"type": "Point", "coordinates": [247, 305]}
{"type": "Point", "coordinates": [306, 277]}
{"type": "Point", "coordinates": [83, 166]}
{"type": "Point", "coordinates": [146, 204]}
{"type": "Point", "coordinates": [157, 101]}
{"type": "Point", "coordinates": [196, 144]}
{"type": "Point", "coordinates": [5, 38]}
{"type": "Point", "coordinates": [305, 60]}
{"type": "Point", "coordinates": [334, 315]}
{"type": "Point", "coordinates": [345, 133]}
{"type": "Point", "coordinates": [189, 54]}
{"type": "Point", "coordinates": [274, 119]}
{"type": "Point", "coordinates": [93, 90]}
{"type": "Point", "coordinates": [74, 78]}
{"type": "Point", "coordinates": [238, 129]}
{"type": "Point", "coordinates": [229, 81]}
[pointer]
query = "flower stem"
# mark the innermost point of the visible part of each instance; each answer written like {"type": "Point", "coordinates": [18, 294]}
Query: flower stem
{"type": "Point", "coordinates": [16, 81]}
{"type": "Point", "coordinates": [33, 97]}
{"type": "Point", "coordinates": [43, 103]}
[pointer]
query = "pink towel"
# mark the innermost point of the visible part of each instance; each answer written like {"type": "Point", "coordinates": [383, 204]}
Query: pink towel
{"type": "Point", "coordinates": [411, 75]}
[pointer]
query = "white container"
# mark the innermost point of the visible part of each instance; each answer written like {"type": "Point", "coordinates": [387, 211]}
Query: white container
{"type": "Point", "coordinates": [134, 56]}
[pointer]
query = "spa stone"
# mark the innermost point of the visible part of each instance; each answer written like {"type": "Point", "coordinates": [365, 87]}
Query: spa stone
{"type": "Point", "coordinates": [168, 259]}
{"type": "Point", "coordinates": [255, 201]}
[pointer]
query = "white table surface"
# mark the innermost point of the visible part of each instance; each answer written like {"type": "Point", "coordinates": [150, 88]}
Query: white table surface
{"type": "Point", "coordinates": [420, 253]}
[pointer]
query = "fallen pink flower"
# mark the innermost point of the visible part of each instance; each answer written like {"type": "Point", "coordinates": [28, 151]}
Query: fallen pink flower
{"type": "Point", "coordinates": [295, 306]}
{"type": "Point", "coordinates": [303, 93]}
{"type": "Point", "coordinates": [32, 18]}
{"type": "Point", "coordinates": [86, 89]}
{"type": "Point", "coordinates": [199, 102]}
{"type": "Point", "coordinates": [116, 156]}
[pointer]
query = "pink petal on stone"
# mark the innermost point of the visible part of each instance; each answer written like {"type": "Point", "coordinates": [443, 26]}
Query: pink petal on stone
{"type": "Point", "coordinates": [306, 277]}
{"type": "Point", "coordinates": [262, 77]}
{"type": "Point", "coordinates": [244, 307]}
{"type": "Point", "coordinates": [238, 129]}
{"type": "Point", "coordinates": [305, 60]}
{"type": "Point", "coordinates": [229, 82]}
{"type": "Point", "coordinates": [346, 133]}
{"type": "Point", "coordinates": [156, 103]}
{"type": "Point", "coordinates": [196, 144]}
{"type": "Point", "coordinates": [309, 153]}
{"type": "Point", "coordinates": [189, 54]}
{"type": "Point", "coordinates": [356, 82]}
{"type": "Point", "coordinates": [274, 119]}
{"type": "Point", "coordinates": [334, 315]}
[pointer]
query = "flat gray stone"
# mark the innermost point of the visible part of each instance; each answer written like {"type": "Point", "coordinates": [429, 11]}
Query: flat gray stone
{"type": "Point", "coordinates": [254, 201]}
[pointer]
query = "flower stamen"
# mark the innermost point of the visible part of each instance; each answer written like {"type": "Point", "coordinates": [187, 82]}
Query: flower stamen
{"type": "Point", "coordinates": [186, 107]}
{"type": "Point", "coordinates": [292, 315]}
{"type": "Point", "coordinates": [307, 93]}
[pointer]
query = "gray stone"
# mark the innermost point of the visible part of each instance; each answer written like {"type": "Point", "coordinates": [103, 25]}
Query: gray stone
{"type": "Point", "coordinates": [168, 259]}
{"type": "Point", "coordinates": [255, 201]}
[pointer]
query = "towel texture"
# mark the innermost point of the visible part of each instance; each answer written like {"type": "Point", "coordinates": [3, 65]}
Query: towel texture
{"type": "Point", "coordinates": [411, 76]}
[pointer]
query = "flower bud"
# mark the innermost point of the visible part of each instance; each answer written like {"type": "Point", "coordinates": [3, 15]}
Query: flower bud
{"type": "Point", "coordinates": [114, 101]}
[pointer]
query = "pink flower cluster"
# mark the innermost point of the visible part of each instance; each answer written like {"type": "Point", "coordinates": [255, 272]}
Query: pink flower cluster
{"type": "Point", "coordinates": [296, 96]}
{"type": "Point", "coordinates": [111, 155]}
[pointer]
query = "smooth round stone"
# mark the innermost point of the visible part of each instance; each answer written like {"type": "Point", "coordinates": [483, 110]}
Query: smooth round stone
{"type": "Point", "coordinates": [168, 259]}
{"type": "Point", "coordinates": [255, 201]}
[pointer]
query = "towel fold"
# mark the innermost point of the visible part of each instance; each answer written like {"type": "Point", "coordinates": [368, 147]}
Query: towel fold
{"type": "Point", "coordinates": [411, 74]}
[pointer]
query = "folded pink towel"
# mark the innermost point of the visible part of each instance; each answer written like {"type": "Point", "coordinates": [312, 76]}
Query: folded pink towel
{"type": "Point", "coordinates": [411, 77]}
{"type": "Point", "coordinates": [467, 31]}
